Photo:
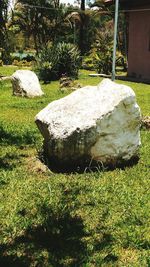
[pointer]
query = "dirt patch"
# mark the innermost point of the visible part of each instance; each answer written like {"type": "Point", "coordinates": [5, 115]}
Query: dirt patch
{"type": "Point", "coordinates": [146, 122]}
{"type": "Point", "coordinates": [36, 165]}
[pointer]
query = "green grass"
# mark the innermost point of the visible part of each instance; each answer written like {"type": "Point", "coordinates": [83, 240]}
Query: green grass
{"type": "Point", "coordinates": [7, 71]}
{"type": "Point", "coordinates": [49, 219]}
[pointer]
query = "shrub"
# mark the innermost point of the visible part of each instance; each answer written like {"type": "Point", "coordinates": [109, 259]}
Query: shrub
{"type": "Point", "coordinates": [87, 63]}
{"type": "Point", "coordinates": [121, 61]}
{"type": "Point", "coordinates": [1, 62]}
{"type": "Point", "coordinates": [45, 71]}
{"type": "Point", "coordinates": [61, 59]}
{"type": "Point", "coordinates": [103, 62]}
{"type": "Point", "coordinates": [15, 58]}
{"type": "Point", "coordinates": [104, 51]}
{"type": "Point", "coordinates": [29, 58]}
{"type": "Point", "coordinates": [104, 48]}
{"type": "Point", "coordinates": [6, 57]}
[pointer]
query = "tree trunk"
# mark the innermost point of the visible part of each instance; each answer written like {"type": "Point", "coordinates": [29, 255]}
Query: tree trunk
{"type": "Point", "coordinates": [81, 33]}
{"type": "Point", "coordinates": [82, 7]}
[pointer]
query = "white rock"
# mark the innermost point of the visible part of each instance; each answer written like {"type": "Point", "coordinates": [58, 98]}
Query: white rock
{"type": "Point", "coordinates": [26, 83]}
{"type": "Point", "coordinates": [95, 123]}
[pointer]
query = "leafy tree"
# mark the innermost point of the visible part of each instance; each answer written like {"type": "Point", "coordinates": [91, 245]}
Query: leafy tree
{"type": "Point", "coordinates": [3, 20]}
{"type": "Point", "coordinates": [122, 28]}
{"type": "Point", "coordinates": [32, 19]}
{"type": "Point", "coordinates": [4, 43]}
{"type": "Point", "coordinates": [45, 20]}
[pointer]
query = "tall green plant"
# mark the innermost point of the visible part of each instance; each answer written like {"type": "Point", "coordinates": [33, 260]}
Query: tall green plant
{"type": "Point", "coordinates": [104, 47]}
{"type": "Point", "coordinates": [61, 59]}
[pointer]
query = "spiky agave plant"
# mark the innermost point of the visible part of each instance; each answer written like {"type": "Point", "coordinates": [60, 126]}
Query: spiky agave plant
{"type": "Point", "coordinates": [67, 60]}
{"type": "Point", "coordinates": [62, 58]}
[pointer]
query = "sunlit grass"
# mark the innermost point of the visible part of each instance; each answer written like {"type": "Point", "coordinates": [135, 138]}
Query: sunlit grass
{"type": "Point", "coordinates": [47, 219]}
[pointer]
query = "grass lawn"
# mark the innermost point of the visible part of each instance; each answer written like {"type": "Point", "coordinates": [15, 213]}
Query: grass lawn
{"type": "Point", "coordinates": [49, 219]}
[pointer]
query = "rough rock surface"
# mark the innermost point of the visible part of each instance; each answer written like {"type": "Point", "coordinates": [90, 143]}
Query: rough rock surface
{"type": "Point", "coordinates": [95, 123]}
{"type": "Point", "coordinates": [26, 83]}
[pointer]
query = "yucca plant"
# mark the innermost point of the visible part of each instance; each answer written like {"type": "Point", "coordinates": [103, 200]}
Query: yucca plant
{"type": "Point", "coordinates": [61, 59]}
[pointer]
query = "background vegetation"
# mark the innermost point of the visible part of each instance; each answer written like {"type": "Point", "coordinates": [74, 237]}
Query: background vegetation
{"type": "Point", "coordinates": [51, 219]}
{"type": "Point", "coordinates": [31, 26]}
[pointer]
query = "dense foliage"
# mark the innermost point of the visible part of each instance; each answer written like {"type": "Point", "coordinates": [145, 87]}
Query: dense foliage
{"type": "Point", "coordinates": [104, 49]}
{"type": "Point", "coordinates": [4, 33]}
{"type": "Point", "coordinates": [32, 25]}
{"type": "Point", "coordinates": [62, 59]}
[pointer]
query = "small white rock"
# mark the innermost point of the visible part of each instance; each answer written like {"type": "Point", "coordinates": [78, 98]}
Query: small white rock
{"type": "Point", "coordinates": [26, 83]}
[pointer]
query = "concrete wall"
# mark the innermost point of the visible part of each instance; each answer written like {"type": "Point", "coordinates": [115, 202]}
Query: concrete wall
{"type": "Point", "coordinates": [139, 45]}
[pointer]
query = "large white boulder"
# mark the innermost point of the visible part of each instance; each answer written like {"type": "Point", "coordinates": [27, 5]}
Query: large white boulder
{"type": "Point", "coordinates": [26, 83]}
{"type": "Point", "coordinates": [93, 124]}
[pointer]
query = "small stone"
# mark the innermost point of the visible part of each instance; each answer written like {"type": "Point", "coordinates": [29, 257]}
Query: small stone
{"type": "Point", "coordinates": [25, 83]}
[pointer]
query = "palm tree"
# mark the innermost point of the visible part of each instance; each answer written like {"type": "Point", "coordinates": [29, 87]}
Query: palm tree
{"type": "Point", "coordinates": [35, 18]}
{"type": "Point", "coordinates": [74, 18]}
{"type": "Point", "coordinates": [85, 24]}
{"type": "Point", "coordinates": [42, 19]}
{"type": "Point", "coordinates": [79, 16]}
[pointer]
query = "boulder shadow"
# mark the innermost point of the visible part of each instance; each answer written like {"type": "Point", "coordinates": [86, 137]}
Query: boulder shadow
{"type": "Point", "coordinates": [60, 235]}
{"type": "Point", "coordinates": [106, 244]}
{"type": "Point", "coordinates": [8, 162]}
{"type": "Point", "coordinates": [85, 165]}
{"type": "Point", "coordinates": [12, 138]}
